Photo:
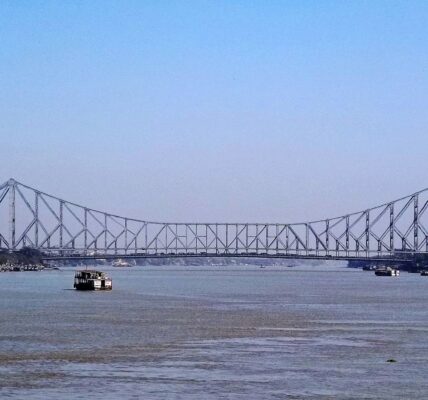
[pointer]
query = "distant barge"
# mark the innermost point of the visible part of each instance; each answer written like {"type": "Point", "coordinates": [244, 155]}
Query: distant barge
{"type": "Point", "coordinates": [92, 280]}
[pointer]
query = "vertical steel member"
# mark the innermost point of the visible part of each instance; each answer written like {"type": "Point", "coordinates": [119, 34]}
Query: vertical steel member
{"type": "Point", "coordinates": [12, 214]}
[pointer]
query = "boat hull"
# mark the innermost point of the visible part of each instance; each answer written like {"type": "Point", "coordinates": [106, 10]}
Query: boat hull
{"type": "Point", "coordinates": [386, 273]}
{"type": "Point", "coordinates": [91, 286]}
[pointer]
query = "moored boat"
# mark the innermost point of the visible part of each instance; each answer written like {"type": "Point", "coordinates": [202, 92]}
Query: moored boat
{"type": "Point", "coordinates": [92, 280]}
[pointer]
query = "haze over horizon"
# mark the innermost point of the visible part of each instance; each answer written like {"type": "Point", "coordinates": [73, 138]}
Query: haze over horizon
{"type": "Point", "coordinates": [219, 111]}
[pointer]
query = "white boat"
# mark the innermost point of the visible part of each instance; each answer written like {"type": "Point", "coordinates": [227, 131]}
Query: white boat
{"type": "Point", "coordinates": [122, 263]}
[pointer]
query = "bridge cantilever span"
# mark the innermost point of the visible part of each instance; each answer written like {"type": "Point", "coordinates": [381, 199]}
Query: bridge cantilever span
{"type": "Point", "coordinates": [60, 228]}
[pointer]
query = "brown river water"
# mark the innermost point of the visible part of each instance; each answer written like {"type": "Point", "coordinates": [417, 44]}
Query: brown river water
{"type": "Point", "coordinates": [319, 332]}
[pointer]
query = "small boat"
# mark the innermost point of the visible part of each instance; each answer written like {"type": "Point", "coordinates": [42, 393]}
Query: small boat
{"type": "Point", "coordinates": [92, 280]}
{"type": "Point", "coordinates": [387, 271]}
{"type": "Point", "coordinates": [121, 263]}
{"type": "Point", "coordinates": [424, 272]}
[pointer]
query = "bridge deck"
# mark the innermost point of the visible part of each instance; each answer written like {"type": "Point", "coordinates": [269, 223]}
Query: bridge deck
{"type": "Point", "coordinates": [383, 258]}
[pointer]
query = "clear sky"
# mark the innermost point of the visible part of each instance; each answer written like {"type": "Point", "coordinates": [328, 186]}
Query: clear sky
{"type": "Point", "coordinates": [216, 110]}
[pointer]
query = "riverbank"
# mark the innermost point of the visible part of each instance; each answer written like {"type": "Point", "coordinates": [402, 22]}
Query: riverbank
{"type": "Point", "coordinates": [26, 259]}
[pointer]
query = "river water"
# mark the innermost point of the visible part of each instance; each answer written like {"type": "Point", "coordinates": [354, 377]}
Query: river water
{"type": "Point", "coordinates": [320, 332]}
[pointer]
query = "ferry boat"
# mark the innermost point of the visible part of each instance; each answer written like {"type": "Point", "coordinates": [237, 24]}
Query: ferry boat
{"type": "Point", "coordinates": [92, 280]}
{"type": "Point", "coordinates": [387, 271]}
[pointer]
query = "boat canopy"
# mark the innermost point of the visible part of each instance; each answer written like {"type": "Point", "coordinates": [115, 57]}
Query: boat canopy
{"type": "Point", "coordinates": [90, 274]}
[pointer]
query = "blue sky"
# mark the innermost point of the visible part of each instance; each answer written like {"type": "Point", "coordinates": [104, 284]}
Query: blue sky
{"type": "Point", "coordinates": [216, 110]}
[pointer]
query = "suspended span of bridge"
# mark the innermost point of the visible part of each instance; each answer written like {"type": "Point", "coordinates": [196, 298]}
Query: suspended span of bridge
{"type": "Point", "coordinates": [63, 229]}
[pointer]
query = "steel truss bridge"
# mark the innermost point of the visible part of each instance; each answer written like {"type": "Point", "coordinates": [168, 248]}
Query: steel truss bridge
{"type": "Point", "coordinates": [62, 229]}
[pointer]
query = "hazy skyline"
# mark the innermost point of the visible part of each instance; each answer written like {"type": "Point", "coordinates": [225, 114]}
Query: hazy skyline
{"type": "Point", "coordinates": [219, 111]}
